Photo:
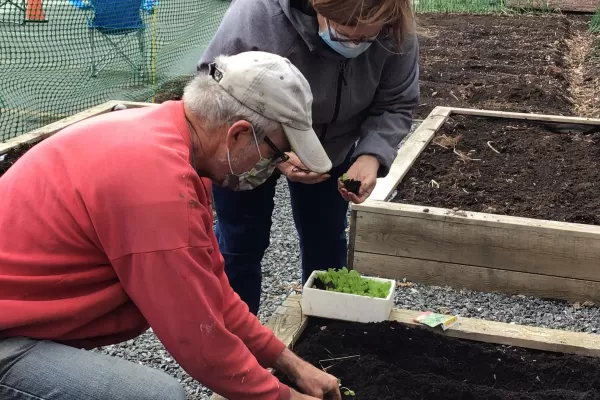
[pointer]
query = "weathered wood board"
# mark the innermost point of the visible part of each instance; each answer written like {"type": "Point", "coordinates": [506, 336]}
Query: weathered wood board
{"type": "Point", "coordinates": [50, 129]}
{"type": "Point", "coordinates": [288, 323]}
{"type": "Point", "coordinates": [478, 251]}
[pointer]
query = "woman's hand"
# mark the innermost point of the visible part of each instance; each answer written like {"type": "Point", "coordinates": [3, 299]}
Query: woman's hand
{"type": "Point", "coordinates": [295, 171]}
{"type": "Point", "coordinates": [364, 170]}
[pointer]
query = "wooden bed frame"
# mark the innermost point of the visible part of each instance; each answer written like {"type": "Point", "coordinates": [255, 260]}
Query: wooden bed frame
{"type": "Point", "coordinates": [50, 129]}
{"type": "Point", "coordinates": [478, 251]}
{"type": "Point", "coordinates": [288, 324]}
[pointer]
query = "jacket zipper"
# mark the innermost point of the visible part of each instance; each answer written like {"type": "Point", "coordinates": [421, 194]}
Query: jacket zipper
{"type": "Point", "coordinates": [341, 81]}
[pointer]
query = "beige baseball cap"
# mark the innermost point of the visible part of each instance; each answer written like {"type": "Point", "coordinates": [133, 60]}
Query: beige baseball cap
{"type": "Point", "coordinates": [273, 87]}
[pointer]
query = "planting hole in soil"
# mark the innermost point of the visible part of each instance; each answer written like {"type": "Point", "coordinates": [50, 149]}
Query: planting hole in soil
{"type": "Point", "coordinates": [350, 282]}
{"type": "Point", "coordinates": [389, 361]}
{"type": "Point", "coordinates": [510, 167]}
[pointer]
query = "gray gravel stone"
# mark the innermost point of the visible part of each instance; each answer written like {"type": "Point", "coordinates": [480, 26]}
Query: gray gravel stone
{"type": "Point", "coordinates": [516, 309]}
{"type": "Point", "coordinates": [282, 274]}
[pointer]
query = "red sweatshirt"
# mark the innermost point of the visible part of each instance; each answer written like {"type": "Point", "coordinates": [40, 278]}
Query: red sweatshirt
{"type": "Point", "coordinates": [105, 230]}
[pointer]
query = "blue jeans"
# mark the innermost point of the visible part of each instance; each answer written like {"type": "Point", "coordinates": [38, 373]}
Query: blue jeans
{"type": "Point", "coordinates": [243, 229]}
{"type": "Point", "coordinates": [44, 370]}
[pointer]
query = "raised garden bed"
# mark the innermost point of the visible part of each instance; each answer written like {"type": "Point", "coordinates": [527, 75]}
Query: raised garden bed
{"type": "Point", "coordinates": [514, 62]}
{"type": "Point", "coordinates": [504, 203]}
{"type": "Point", "coordinates": [473, 359]}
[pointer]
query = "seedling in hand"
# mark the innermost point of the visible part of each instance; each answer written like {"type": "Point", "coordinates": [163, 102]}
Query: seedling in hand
{"type": "Point", "coordinates": [347, 392]}
{"type": "Point", "coordinates": [351, 185]}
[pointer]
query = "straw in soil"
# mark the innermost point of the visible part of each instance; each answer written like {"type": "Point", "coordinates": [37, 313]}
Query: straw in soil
{"type": "Point", "coordinates": [584, 87]}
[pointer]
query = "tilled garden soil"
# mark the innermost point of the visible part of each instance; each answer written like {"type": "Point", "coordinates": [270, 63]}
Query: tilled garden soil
{"type": "Point", "coordinates": [510, 63]}
{"type": "Point", "coordinates": [390, 361]}
{"type": "Point", "coordinates": [509, 167]}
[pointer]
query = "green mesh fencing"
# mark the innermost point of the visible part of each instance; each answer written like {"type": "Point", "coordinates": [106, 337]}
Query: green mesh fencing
{"type": "Point", "coordinates": [59, 57]}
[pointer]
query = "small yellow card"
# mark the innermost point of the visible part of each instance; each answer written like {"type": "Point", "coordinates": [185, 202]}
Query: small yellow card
{"type": "Point", "coordinates": [433, 319]}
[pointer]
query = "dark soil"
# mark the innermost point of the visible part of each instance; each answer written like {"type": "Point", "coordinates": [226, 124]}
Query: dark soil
{"type": "Point", "coordinates": [541, 171]}
{"type": "Point", "coordinates": [513, 62]}
{"type": "Point", "coordinates": [352, 185]}
{"type": "Point", "coordinates": [13, 155]}
{"type": "Point", "coordinates": [395, 362]}
{"type": "Point", "coordinates": [497, 62]}
{"type": "Point", "coordinates": [319, 284]}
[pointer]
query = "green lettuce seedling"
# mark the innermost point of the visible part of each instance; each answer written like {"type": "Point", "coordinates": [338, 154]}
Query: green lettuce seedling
{"type": "Point", "coordinates": [345, 281]}
{"type": "Point", "coordinates": [347, 392]}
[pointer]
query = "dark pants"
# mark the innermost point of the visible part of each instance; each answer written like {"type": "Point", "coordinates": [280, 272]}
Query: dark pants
{"type": "Point", "coordinates": [244, 227]}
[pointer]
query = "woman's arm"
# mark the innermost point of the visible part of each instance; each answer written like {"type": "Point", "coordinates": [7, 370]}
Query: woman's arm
{"type": "Point", "coordinates": [391, 113]}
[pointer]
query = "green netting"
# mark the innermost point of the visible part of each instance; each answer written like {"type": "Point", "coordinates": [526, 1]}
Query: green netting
{"type": "Point", "coordinates": [46, 68]}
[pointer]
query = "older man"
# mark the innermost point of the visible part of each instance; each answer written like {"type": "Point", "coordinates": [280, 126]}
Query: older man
{"type": "Point", "coordinates": [106, 230]}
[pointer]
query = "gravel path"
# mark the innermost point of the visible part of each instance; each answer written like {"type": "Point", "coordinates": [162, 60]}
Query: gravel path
{"type": "Point", "coordinates": [282, 273]}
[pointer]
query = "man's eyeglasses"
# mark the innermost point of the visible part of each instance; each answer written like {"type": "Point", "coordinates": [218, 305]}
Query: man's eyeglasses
{"type": "Point", "coordinates": [280, 156]}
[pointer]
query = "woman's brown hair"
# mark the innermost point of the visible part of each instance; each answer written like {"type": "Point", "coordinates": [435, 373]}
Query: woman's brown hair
{"type": "Point", "coordinates": [397, 15]}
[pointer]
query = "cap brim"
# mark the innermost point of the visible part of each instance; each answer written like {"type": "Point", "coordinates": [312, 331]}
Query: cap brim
{"type": "Point", "coordinates": [308, 148]}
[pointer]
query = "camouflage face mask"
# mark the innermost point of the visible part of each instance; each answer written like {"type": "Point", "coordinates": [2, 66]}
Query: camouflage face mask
{"type": "Point", "coordinates": [253, 178]}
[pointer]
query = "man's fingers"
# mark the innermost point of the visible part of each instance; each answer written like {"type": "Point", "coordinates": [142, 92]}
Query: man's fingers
{"type": "Point", "coordinates": [311, 177]}
{"type": "Point", "coordinates": [334, 394]}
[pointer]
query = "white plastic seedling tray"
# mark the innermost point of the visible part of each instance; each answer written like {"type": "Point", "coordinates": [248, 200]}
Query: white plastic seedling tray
{"type": "Point", "coordinates": [344, 306]}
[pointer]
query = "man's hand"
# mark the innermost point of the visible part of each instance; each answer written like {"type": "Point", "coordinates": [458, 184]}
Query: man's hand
{"type": "Point", "coordinates": [299, 396]}
{"type": "Point", "coordinates": [310, 380]}
{"type": "Point", "coordinates": [295, 171]}
{"type": "Point", "coordinates": [364, 170]}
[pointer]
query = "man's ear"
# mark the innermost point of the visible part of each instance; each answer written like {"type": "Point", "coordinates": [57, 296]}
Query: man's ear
{"type": "Point", "coordinates": [239, 135]}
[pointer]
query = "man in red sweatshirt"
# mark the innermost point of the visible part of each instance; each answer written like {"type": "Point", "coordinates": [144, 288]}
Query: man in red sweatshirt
{"type": "Point", "coordinates": [106, 230]}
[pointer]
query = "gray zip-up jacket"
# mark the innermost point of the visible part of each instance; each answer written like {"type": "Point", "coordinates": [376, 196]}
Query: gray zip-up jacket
{"type": "Point", "coordinates": [369, 98]}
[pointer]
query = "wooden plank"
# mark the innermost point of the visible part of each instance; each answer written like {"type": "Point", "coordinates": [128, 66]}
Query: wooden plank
{"type": "Point", "coordinates": [476, 218]}
{"type": "Point", "coordinates": [409, 152]}
{"type": "Point", "coordinates": [529, 337]}
{"type": "Point", "coordinates": [459, 239]}
{"type": "Point", "coordinates": [525, 116]}
{"type": "Point", "coordinates": [50, 129]}
{"type": "Point", "coordinates": [476, 278]}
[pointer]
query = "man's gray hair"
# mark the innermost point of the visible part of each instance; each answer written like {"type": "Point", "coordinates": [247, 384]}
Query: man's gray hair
{"type": "Point", "coordinates": [209, 101]}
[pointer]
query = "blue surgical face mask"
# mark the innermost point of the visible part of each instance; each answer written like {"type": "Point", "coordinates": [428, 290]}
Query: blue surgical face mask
{"type": "Point", "coordinates": [347, 49]}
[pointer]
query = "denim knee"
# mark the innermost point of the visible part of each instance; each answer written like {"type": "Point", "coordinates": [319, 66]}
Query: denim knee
{"type": "Point", "coordinates": [164, 387]}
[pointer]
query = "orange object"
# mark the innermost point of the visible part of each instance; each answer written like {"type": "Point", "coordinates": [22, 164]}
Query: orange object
{"type": "Point", "coordinates": [35, 11]}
